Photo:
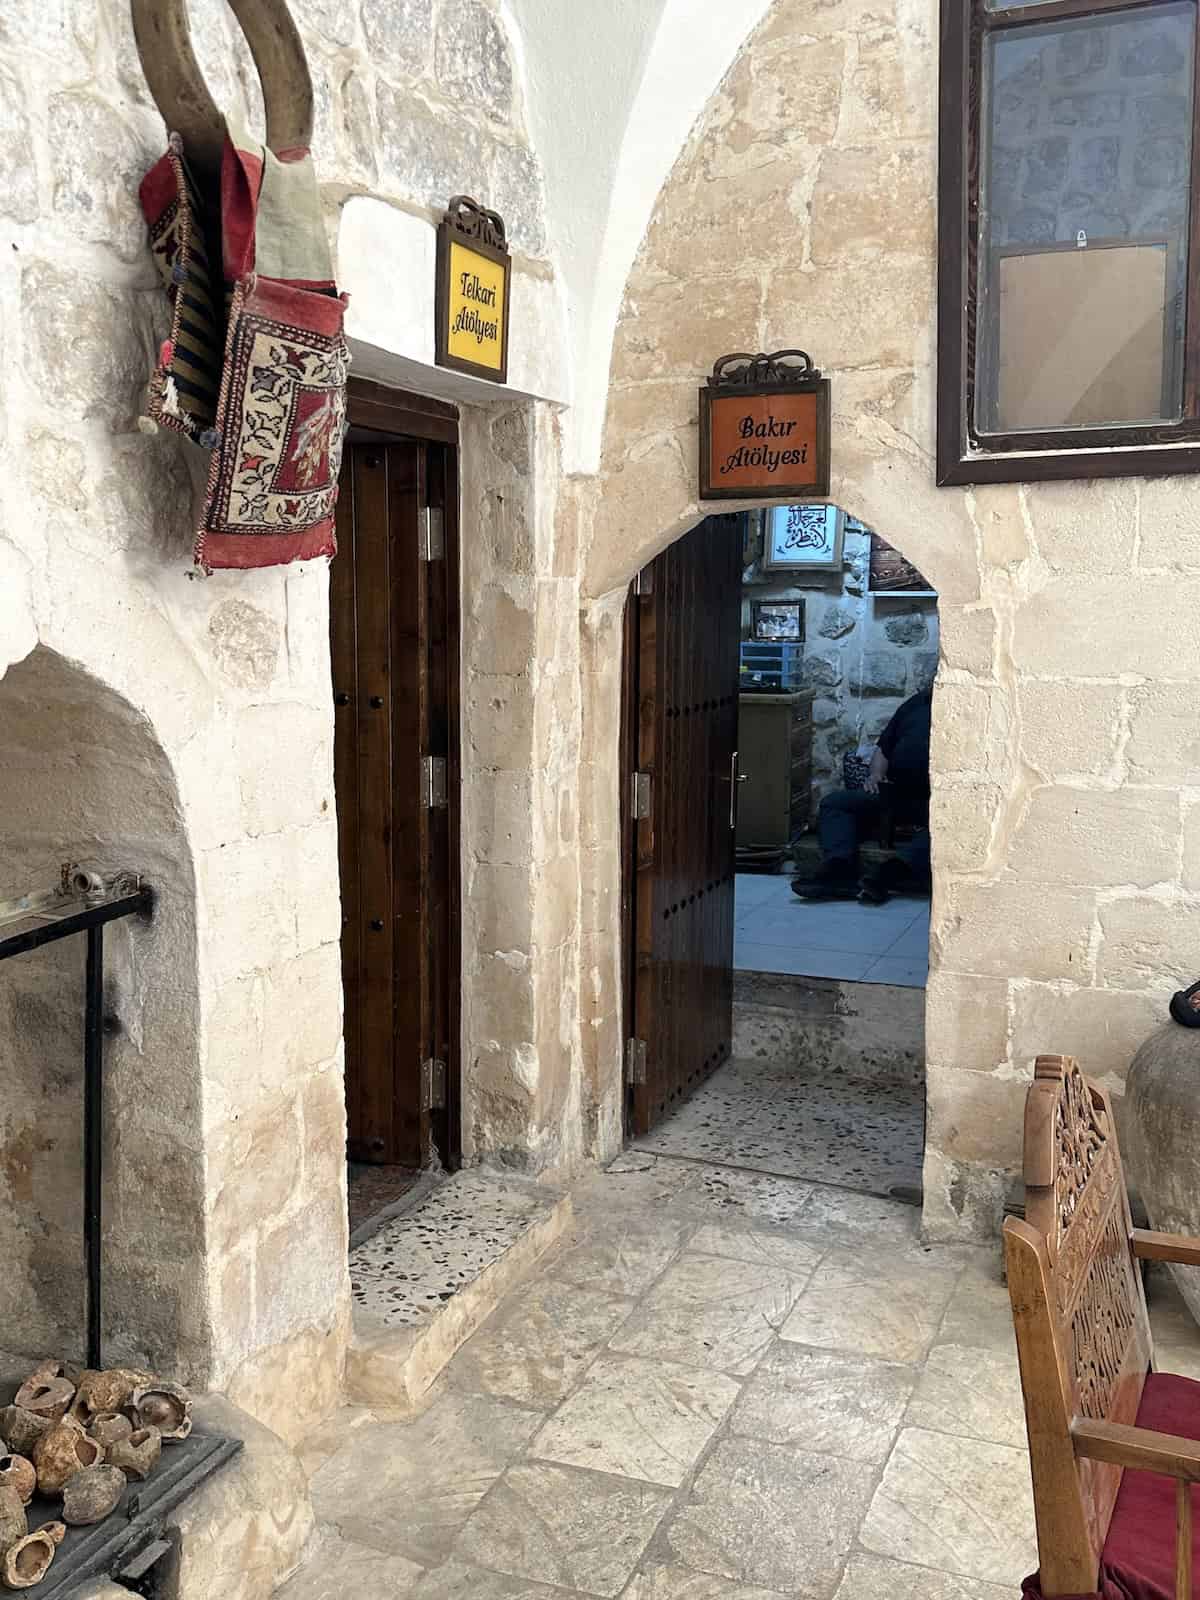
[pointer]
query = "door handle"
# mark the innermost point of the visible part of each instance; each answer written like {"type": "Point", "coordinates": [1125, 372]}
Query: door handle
{"type": "Point", "coordinates": [735, 778]}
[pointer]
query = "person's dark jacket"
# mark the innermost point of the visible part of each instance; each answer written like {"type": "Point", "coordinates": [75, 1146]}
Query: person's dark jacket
{"type": "Point", "coordinates": [905, 743]}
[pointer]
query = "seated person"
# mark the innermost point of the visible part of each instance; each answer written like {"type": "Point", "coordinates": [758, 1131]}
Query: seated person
{"type": "Point", "coordinates": [898, 781]}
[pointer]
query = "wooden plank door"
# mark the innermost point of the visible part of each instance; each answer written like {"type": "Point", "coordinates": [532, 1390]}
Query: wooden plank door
{"type": "Point", "coordinates": [687, 631]}
{"type": "Point", "coordinates": [389, 611]}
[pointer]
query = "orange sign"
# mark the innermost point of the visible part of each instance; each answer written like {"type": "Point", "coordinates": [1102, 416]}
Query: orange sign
{"type": "Point", "coordinates": [764, 441]}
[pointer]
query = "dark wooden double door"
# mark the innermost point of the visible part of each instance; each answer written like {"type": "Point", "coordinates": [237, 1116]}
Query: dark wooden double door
{"type": "Point", "coordinates": [393, 632]}
{"type": "Point", "coordinates": [681, 679]}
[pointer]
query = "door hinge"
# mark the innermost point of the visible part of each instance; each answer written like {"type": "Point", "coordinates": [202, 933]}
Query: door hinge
{"type": "Point", "coordinates": [644, 582]}
{"type": "Point", "coordinates": [635, 1061]}
{"type": "Point", "coordinates": [433, 782]}
{"type": "Point", "coordinates": [640, 793]}
{"type": "Point", "coordinates": [432, 533]}
{"type": "Point", "coordinates": [433, 1084]}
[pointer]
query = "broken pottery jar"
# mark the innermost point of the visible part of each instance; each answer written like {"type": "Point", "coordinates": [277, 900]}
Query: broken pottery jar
{"type": "Point", "coordinates": [61, 1453]}
{"type": "Point", "coordinates": [138, 1455]}
{"type": "Point", "coordinates": [91, 1495]}
{"type": "Point", "coordinates": [45, 1396]}
{"type": "Point", "coordinates": [13, 1525]}
{"type": "Point", "coordinates": [107, 1427]}
{"type": "Point", "coordinates": [165, 1406]}
{"type": "Point", "coordinates": [16, 1472]}
{"type": "Point", "coordinates": [22, 1429]}
{"type": "Point", "coordinates": [27, 1561]}
{"type": "Point", "coordinates": [110, 1390]}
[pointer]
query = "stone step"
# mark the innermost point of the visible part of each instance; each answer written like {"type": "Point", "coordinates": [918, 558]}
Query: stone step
{"type": "Point", "coordinates": [425, 1282]}
{"type": "Point", "coordinates": [828, 1027]}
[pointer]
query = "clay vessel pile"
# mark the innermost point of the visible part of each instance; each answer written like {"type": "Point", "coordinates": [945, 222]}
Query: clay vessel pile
{"type": "Point", "coordinates": [77, 1437]}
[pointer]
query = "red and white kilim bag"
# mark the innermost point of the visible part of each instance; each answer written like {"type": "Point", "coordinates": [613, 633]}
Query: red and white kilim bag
{"type": "Point", "coordinates": [281, 407]}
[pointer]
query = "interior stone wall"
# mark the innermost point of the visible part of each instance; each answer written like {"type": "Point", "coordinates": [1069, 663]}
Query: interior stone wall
{"type": "Point", "coordinates": [863, 654]}
{"type": "Point", "coordinates": [1066, 828]}
{"type": "Point", "coordinates": [226, 679]}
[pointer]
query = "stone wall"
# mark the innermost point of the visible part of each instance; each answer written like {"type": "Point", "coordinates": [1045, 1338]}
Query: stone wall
{"type": "Point", "coordinates": [235, 1045]}
{"type": "Point", "coordinates": [864, 654]}
{"type": "Point", "coordinates": [521, 1043]}
{"type": "Point", "coordinates": [1065, 825]}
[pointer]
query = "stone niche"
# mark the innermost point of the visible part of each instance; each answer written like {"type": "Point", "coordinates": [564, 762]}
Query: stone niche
{"type": "Point", "coordinates": [83, 778]}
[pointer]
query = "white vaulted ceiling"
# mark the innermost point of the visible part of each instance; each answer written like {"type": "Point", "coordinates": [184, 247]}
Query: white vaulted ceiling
{"type": "Point", "coordinates": [613, 88]}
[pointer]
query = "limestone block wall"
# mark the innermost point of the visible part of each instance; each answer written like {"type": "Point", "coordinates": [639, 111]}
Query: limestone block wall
{"type": "Point", "coordinates": [1066, 828]}
{"type": "Point", "coordinates": [864, 654]}
{"type": "Point", "coordinates": [521, 733]}
{"type": "Point", "coordinates": [225, 680]}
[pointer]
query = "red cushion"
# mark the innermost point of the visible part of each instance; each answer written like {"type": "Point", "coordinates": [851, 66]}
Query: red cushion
{"type": "Point", "coordinates": [1138, 1560]}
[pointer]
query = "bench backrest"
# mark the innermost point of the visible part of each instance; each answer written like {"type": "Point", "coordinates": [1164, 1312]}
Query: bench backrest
{"type": "Point", "coordinates": [1083, 1334]}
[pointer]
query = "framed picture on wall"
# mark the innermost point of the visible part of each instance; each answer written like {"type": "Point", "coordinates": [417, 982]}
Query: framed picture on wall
{"type": "Point", "coordinates": [777, 621]}
{"type": "Point", "coordinates": [891, 574]}
{"type": "Point", "coordinates": [804, 539]}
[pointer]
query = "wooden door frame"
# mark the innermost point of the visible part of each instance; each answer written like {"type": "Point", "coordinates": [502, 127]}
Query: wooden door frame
{"type": "Point", "coordinates": [627, 764]}
{"type": "Point", "coordinates": [377, 413]}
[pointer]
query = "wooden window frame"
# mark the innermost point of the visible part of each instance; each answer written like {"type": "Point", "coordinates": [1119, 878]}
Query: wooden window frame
{"type": "Point", "coordinates": [964, 456]}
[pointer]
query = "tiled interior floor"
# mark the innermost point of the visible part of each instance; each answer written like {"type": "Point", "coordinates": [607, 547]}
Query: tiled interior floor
{"type": "Point", "coordinates": [722, 1386]}
{"type": "Point", "coordinates": [779, 1117]}
{"type": "Point", "coordinates": [777, 932]}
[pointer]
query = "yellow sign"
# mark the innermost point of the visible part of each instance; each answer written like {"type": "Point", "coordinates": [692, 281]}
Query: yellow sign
{"type": "Point", "coordinates": [476, 311]}
{"type": "Point", "coordinates": [473, 294]}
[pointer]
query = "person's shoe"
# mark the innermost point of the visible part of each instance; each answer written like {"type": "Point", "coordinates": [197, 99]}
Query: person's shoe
{"type": "Point", "coordinates": [833, 880]}
{"type": "Point", "coordinates": [890, 877]}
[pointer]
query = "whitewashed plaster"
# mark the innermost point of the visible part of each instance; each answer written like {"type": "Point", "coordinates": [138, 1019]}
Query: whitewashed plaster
{"type": "Point", "coordinates": [609, 108]}
{"type": "Point", "coordinates": [386, 264]}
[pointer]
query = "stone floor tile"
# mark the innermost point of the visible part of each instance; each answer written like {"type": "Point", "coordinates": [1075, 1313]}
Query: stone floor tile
{"type": "Point", "coordinates": [578, 1530]}
{"type": "Point", "coordinates": [834, 1216]}
{"type": "Point", "coordinates": [836, 1404]}
{"type": "Point", "coordinates": [536, 1345]}
{"type": "Point", "coordinates": [872, 1578]}
{"type": "Point", "coordinates": [979, 1314]}
{"type": "Point", "coordinates": [316, 1447]}
{"type": "Point", "coordinates": [709, 1312]}
{"type": "Point", "coordinates": [623, 1256]}
{"type": "Point", "coordinates": [754, 1197]}
{"type": "Point", "coordinates": [961, 1505]}
{"type": "Point", "coordinates": [771, 1515]}
{"type": "Point", "coordinates": [456, 1580]}
{"type": "Point", "coordinates": [340, 1567]}
{"type": "Point", "coordinates": [682, 1583]}
{"type": "Point", "coordinates": [638, 1419]}
{"type": "Point", "coordinates": [972, 1392]}
{"type": "Point", "coordinates": [875, 1303]}
{"type": "Point", "coordinates": [771, 1247]}
{"type": "Point", "coordinates": [408, 1487]}
{"type": "Point", "coordinates": [637, 1183]}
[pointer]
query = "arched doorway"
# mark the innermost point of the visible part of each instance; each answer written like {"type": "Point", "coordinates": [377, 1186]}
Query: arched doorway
{"type": "Point", "coordinates": [778, 690]}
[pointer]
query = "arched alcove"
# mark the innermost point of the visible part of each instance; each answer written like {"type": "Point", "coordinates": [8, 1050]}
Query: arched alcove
{"type": "Point", "coordinates": [83, 778]}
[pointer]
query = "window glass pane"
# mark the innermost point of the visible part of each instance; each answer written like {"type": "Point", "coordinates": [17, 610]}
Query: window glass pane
{"type": "Point", "coordinates": [1084, 220]}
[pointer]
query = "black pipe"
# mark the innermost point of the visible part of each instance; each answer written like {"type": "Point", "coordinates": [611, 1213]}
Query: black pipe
{"type": "Point", "coordinates": [93, 1133]}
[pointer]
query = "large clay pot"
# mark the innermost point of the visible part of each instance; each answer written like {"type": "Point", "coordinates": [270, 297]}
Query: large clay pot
{"type": "Point", "coordinates": [1162, 1097]}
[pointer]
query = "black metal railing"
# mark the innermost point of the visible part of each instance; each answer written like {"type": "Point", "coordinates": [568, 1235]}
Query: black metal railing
{"type": "Point", "coordinates": [83, 903]}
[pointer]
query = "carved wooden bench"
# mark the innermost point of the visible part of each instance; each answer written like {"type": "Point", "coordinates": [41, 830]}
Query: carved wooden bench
{"type": "Point", "coordinates": [1114, 1446]}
